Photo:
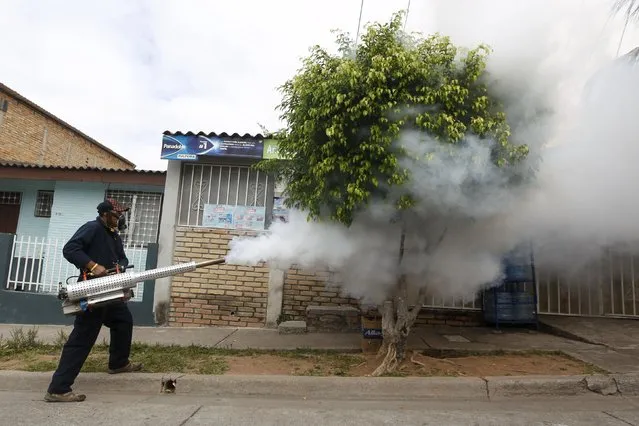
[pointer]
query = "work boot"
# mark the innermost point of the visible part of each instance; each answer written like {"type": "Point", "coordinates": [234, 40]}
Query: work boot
{"type": "Point", "coordinates": [64, 397]}
{"type": "Point", "coordinates": [130, 367]}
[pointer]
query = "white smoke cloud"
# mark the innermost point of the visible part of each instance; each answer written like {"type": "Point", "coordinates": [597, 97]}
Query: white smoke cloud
{"type": "Point", "coordinates": [583, 134]}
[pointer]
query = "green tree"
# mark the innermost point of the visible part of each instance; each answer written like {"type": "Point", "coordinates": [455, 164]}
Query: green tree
{"type": "Point", "coordinates": [344, 114]}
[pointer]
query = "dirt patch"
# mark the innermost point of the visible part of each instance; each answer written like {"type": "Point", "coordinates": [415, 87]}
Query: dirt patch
{"type": "Point", "coordinates": [267, 364]}
{"type": "Point", "coordinates": [187, 360]}
{"type": "Point", "coordinates": [481, 366]}
{"type": "Point", "coordinates": [295, 364]}
{"type": "Point", "coordinates": [12, 364]}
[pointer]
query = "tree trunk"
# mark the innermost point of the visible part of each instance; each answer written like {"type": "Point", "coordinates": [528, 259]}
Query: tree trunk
{"type": "Point", "coordinates": [397, 320]}
{"type": "Point", "coordinates": [391, 339]}
{"type": "Point", "coordinates": [395, 323]}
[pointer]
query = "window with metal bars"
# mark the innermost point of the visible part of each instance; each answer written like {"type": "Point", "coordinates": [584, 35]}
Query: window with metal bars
{"type": "Point", "coordinates": [143, 217]}
{"type": "Point", "coordinates": [11, 198]}
{"type": "Point", "coordinates": [44, 202]}
{"type": "Point", "coordinates": [224, 187]}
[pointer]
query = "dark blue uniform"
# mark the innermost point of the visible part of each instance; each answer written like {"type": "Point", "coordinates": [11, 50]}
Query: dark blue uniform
{"type": "Point", "coordinates": [93, 241]}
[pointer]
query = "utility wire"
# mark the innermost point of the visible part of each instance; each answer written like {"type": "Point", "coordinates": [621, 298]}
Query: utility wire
{"type": "Point", "coordinates": [406, 18]}
{"type": "Point", "coordinates": [359, 23]}
{"type": "Point", "coordinates": [623, 33]}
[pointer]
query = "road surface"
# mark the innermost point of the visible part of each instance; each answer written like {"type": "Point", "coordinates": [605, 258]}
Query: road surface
{"type": "Point", "coordinates": [27, 408]}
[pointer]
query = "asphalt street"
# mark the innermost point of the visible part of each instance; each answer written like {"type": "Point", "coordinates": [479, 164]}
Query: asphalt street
{"type": "Point", "coordinates": [27, 408]}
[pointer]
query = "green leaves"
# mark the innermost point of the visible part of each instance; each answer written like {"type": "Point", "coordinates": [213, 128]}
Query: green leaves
{"type": "Point", "coordinates": [345, 112]}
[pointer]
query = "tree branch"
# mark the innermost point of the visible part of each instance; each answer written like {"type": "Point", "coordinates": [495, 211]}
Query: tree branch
{"type": "Point", "coordinates": [421, 295]}
{"type": "Point", "coordinates": [441, 238]}
{"type": "Point", "coordinates": [421, 298]}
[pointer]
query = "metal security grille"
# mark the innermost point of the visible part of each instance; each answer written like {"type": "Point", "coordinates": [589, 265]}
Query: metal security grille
{"type": "Point", "coordinates": [608, 286]}
{"type": "Point", "coordinates": [37, 266]}
{"type": "Point", "coordinates": [469, 303]}
{"type": "Point", "coordinates": [10, 198]}
{"type": "Point", "coordinates": [214, 184]}
{"type": "Point", "coordinates": [44, 202]}
{"type": "Point", "coordinates": [143, 218]}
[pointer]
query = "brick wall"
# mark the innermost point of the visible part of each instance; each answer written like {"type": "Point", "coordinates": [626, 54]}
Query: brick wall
{"type": "Point", "coordinates": [22, 139]}
{"type": "Point", "coordinates": [321, 288]}
{"type": "Point", "coordinates": [225, 295]}
{"type": "Point", "coordinates": [317, 288]}
{"type": "Point", "coordinates": [452, 317]}
{"type": "Point", "coordinates": [230, 295]}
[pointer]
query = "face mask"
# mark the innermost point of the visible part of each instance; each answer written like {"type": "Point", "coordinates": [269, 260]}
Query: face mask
{"type": "Point", "coordinates": [122, 223]}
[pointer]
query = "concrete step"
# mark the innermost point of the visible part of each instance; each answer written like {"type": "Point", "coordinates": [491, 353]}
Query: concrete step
{"type": "Point", "coordinates": [292, 327]}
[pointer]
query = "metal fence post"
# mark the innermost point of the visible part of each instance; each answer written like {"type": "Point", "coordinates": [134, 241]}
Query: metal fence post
{"type": "Point", "coordinates": [6, 244]}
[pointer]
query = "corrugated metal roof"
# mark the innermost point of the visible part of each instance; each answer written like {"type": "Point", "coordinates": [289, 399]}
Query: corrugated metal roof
{"type": "Point", "coordinates": [63, 123]}
{"type": "Point", "coordinates": [215, 134]}
{"type": "Point", "coordinates": [18, 165]}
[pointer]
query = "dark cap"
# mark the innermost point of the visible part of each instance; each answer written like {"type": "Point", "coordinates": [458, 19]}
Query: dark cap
{"type": "Point", "coordinates": [110, 205]}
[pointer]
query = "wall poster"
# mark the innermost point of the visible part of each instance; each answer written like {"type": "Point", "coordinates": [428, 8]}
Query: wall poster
{"type": "Point", "coordinates": [234, 217]}
{"type": "Point", "coordinates": [280, 212]}
{"type": "Point", "coordinates": [249, 217]}
{"type": "Point", "coordinates": [218, 216]}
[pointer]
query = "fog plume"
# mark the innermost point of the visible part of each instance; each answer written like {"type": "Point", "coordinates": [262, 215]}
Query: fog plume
{"type": "Point", "coordinates": [553, 66]}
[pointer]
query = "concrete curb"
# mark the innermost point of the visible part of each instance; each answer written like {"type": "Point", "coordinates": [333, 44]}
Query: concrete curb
{"type": "Point", "coordinates": [296, 387]}
{"type": "Point", "coordinates": [530, 386]}
{"type": "Point", "coordinates": [627, 384]}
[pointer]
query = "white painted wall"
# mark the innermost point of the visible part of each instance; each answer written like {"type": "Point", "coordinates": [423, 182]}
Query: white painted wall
{"type": "Point", "coordinates": [168, 221]}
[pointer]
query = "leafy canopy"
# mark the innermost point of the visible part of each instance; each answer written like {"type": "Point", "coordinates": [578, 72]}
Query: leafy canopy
{"type": "Point", "coordinates": [345, 111]}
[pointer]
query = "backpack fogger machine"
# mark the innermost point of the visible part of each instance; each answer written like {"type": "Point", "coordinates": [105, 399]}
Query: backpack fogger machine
{"type": "Point", "coordinates": [81, 296]}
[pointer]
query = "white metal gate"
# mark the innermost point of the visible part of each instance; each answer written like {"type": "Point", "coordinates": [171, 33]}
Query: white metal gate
{"type": "Point", "coordinates": [606, 287]}
{"type": "Point", "coordinates": [37, 265]}
{"type": "Point", "coordinates": [460, 304]}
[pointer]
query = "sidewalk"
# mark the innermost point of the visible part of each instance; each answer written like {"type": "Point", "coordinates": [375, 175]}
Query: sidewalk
{"type": "Point", "coordinates": [214, 337]}
{"type": "Point", "coordinates": [477, 339]}
{"type": "Point", "coordinates": [339, 388]}
{"type": "Point", "coordinates": [611, 343]}
{"type": "Point", "coordinates": [614, 333]}
{"type": "Point", "coordinates": [429, 339]}
{"type": "Point", "coordinates": [130, 409]}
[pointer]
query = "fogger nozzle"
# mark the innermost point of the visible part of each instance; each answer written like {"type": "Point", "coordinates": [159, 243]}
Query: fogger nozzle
{"type": "Point", "coordinates": [98, 286]}
{"type": "Point", "coordinates": [210, 262]}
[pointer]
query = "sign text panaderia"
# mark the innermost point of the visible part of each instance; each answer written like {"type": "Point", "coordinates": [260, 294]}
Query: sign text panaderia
{"type": "Point", "coordinates": [191, 147]}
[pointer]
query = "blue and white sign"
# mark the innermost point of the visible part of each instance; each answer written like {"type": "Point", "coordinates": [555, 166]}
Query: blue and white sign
{"type": "Point", "coordinates": [191, 147]}
{"type": "Point", "coordinates": [373, 333]}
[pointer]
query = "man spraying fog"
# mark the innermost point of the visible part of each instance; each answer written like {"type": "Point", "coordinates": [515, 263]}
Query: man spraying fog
{"type": "Point", "coordinates": [95, 247]}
